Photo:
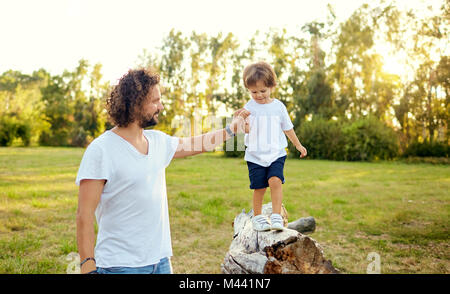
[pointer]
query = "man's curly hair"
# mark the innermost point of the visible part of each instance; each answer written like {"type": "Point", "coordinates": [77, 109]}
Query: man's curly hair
{"type": "Point", "coordinates": [128, 96]}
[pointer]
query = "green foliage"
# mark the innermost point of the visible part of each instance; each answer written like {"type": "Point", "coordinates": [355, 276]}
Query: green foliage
{"type": "Point", "coordinates": [322, 138]}
{"type": "Point", "coordinates": [368, 139]}
{"type": "Point", "coordinates": [318, 100]}
{"type": "Point", "coordinates": [56, 112]}
{"type": "Point", "coordinates": [23, 132]}
{"type": "Point", "coordinates": [11, 128]}
{"type": "Point", "coordinates": [365, 139]}
{"type": "Point", "coordinates": [427, 149]}
{"type": "Point", "coordinates": [74, 114]}
{"type": "Point", "coordinates": [59, 137]}
{"type": "Point", "coordinates": [20, 106]}
{"type": "Point", "coordinates": [8, 128]}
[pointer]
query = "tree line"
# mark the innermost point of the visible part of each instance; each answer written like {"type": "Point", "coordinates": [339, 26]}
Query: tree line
{"type": "Point", "coordinates": [331, 78]}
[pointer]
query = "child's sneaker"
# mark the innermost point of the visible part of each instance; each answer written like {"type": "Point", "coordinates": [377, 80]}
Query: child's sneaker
{"type": "Point", "coordinates": [260, 223]}
{"type": "Point", "coordinates": [277, 222]}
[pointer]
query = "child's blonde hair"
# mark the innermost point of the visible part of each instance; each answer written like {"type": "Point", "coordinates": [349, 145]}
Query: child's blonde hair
{"type": "Point", "coordinates": [259, 71]}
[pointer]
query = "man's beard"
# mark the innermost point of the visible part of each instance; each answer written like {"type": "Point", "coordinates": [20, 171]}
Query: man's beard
{"type": "Point", "coordinates": [149, 122]}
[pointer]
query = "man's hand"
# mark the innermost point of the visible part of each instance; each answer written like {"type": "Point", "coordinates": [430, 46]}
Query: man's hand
{"type": "Point", "coordinates": [302, 150]}
{"type": "Point", "coordinates": [239, 120]}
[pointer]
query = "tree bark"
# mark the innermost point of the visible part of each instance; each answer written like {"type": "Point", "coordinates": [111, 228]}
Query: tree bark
{"type": "Point", "coordinates": [274, 252]}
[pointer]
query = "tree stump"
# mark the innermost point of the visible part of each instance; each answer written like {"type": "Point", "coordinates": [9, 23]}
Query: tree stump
{"type": "Point", "coordinates": [274, 252]}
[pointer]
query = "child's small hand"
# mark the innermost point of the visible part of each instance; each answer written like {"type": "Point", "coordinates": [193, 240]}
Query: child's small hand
{"type": "Point", "coordinates": [302, 151]}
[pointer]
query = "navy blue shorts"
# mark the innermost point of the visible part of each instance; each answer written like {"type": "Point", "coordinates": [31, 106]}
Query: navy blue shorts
{"type": "Point", "coordinates": [260, 175]}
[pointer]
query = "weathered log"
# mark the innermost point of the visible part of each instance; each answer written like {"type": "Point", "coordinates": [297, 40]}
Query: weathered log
{"type": "Point", "coordinates": [279, 252]}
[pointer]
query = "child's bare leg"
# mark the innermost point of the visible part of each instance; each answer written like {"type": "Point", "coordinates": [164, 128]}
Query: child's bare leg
{"type": "Point", "coordinates": [276, 192]}
{"type": "Point", "coordinates": [258, 197]}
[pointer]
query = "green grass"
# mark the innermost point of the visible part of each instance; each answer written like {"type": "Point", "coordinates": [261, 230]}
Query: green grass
{"type": "Point", "coordinates": [400, 211]}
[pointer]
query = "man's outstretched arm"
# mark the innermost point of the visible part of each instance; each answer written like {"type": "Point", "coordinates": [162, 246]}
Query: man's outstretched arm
{"type": "Point", "coordinates": [207, 142]}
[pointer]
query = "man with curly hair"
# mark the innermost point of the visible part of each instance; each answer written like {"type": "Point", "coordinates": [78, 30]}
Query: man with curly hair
{"type": "Point", "coordinates": [122, 183]}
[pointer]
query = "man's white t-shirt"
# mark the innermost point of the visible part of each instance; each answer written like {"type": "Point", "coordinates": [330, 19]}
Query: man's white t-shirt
{"type": "Point", "coordinates": [266, 141]}
{"type": "Point", "coordinates": [132, 215]}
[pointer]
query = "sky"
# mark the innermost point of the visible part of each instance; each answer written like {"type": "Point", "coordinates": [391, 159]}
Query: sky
{"type": "Point", "coordinates": [56, 34]}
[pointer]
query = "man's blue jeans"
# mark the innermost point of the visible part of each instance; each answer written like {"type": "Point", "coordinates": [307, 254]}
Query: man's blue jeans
{"type": "Point", "coordinates": [163, 267]}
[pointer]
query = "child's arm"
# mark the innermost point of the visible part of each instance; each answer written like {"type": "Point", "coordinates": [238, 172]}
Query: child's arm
{"type": "Point", "coordinates": [293, 138]}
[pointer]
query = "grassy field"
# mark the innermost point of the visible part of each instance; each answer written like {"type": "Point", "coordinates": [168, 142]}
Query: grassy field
{"type": "Point", "coordinates": [400, 211]}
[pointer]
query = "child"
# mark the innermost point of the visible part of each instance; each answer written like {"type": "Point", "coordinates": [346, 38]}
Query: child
{"type": "Point", "coordinates": [265, 140]}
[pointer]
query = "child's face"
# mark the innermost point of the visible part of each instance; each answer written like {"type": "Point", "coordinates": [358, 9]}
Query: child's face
{"type": "Point", "coordinates": [260, 92]}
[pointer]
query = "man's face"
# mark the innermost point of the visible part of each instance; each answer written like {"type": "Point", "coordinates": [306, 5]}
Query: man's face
{"type": "Point", "coordinates": [151, 108]}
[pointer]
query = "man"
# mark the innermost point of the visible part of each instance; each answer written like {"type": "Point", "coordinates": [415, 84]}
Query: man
{"type": "Point", "coordinates": [122, 181]}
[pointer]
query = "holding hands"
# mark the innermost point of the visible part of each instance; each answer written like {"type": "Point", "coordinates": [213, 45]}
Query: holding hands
{"type": "Point", "coordinates": [238, 124]}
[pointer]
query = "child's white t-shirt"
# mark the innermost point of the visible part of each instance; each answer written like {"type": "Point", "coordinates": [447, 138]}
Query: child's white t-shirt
{"type": "Point", "coordinates": [132, 215]}
{"type": "Point", "coordinates": [266, 141]}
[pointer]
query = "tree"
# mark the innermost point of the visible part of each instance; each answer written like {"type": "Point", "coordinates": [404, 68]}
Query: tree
{"type": "Point", "coordinates": [173, 72]}
{"type": "Point", "coordinates": [318, 99]}
{"type": "Point", "coordinates": [221, 49]}
{"type": "Point", "coordinates": [57, 112]}
{"type": "Point", "coordinates": [423, 109]}
{"type": "Point", "coordinates": [353, 42]}
{"type": "Point", "coordinates": [21, 106]}
{"type": "Point", "coordinates": [89, 116]}
{"type": "Point", "coordinates": [74, 113]}
{"type": "Point", "coordinates": [236, 96]}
